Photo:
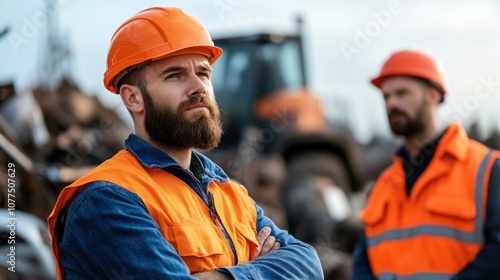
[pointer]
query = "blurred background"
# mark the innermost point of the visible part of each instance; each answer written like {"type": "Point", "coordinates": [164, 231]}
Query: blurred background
{"type": "Point", "coordinates": [313, 130]}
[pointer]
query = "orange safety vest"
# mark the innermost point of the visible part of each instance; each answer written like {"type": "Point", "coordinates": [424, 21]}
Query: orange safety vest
{"type": "Point", "coordinates": [438, 229]}
{"type": "Point", "coordinates": [182, 216]}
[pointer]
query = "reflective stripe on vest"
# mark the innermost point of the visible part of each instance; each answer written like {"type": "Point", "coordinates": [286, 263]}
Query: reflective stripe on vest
{"type": "Point", "coordinates": [462, 236]}
{"type": "Point", "coordinates": [417, 276]}
{"type": "Point", "coordinates": [439, 228]}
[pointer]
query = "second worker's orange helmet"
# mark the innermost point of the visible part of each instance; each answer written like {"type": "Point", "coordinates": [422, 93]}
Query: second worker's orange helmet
{"type": "Point", "coordinates": [414, 64]}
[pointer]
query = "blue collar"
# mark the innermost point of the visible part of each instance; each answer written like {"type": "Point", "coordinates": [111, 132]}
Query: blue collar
{"type": "Point", "coordinates": [152, 157]}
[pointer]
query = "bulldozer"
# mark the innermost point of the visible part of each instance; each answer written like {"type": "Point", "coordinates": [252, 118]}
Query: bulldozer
{"type": "Point", "coordinates": [299, 167]}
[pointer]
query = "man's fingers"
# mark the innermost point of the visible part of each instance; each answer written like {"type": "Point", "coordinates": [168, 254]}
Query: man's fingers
{"type": "Point", "coordinates": [263, 235]}
{"type": "Point", "coordinates": [268, 245]}
{"type": "Point", "coordinates": [276, 246]}
{"type": "Point", "coordinates": [267, 242]}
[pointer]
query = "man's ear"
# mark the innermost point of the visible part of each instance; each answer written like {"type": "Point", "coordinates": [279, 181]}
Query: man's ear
{"type": "Point", "coordinates": [132, 98]}
{"type": "Point", "coordinates": [434, 95]}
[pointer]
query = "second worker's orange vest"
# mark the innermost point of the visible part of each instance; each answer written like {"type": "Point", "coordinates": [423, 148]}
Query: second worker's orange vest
{"type": "Point", "coordinates": [438, 229]}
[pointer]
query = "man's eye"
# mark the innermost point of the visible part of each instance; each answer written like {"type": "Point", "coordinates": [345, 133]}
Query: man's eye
{"type": "Point", "coordinates": [173, 76]}
{"type": "Point", "coordinates": [401, 93]}
{"type": "Point", "coordinates": [204, 74]}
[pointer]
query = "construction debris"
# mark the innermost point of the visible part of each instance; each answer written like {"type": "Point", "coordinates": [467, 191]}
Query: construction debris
{"type": "Point", "coordinates": [53, 138]}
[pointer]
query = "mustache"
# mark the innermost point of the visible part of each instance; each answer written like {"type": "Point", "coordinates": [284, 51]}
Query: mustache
{"type": "Point", "coordinates": [197, 99]}
{"type": "Point", "coordinates": [395, 112]}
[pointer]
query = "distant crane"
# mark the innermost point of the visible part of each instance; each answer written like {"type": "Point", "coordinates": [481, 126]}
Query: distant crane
{"type": "Point", "coordinates": [54, 52]}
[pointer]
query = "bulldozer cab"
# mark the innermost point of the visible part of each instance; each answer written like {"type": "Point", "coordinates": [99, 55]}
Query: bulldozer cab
{"type": "Point", "coordinates": [251, 68]}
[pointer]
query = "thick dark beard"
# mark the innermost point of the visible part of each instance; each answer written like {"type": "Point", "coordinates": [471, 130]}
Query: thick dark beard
{"type": "Point", "coordinates": [411, 126]}
{"type": "Point", "coordinates": [171, 129]}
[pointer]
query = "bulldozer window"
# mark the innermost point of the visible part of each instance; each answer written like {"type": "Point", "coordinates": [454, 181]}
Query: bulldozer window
{"type": "Point", "coordinates": [280, 67]}
{"type": "Point", "coordinates": [250, 68]}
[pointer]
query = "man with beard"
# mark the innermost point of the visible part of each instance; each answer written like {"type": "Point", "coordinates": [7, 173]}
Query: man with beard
{"type": "Point", "coordinates": [435, 212]}
{"type": "Point", "coordinates": [159, 209]}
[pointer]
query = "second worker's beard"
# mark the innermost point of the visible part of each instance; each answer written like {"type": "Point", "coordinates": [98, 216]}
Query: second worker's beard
{"type": "Point", "coordinates": [410, 126]}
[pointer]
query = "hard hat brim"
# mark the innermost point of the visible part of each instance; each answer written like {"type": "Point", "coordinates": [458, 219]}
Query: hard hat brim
{"type": "Point", "coordinates": [211, 52]}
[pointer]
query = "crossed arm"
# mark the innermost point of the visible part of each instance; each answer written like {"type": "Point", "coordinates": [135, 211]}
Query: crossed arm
{"type": "Point", "coordinates": [267, 244]}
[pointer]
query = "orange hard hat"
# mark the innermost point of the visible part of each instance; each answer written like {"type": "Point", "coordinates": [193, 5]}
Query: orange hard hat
{"type": "Point", "coordinates": [414, 64]}
{"type": "Point", "coordinates": [153, 34]}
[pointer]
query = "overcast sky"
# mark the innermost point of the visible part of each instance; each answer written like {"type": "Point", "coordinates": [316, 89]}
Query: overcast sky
{"type": "Point", "coordinates": [346, 43]}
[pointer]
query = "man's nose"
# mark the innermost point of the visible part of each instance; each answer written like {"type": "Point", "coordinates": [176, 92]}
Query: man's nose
{"type": "Point", "coordinates": [197, 85]}
{"type": "Point", "coordinates": [391, 102]}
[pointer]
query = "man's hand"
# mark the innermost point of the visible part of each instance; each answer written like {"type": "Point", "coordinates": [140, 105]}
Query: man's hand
{"type": "Point", "coordinates": [212, 275]}
{"type": "Point", "coordinates": [267, 242]}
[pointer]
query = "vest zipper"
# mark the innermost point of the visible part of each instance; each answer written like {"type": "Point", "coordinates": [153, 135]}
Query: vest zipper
{"type": "Point", "coordinates": [216, 218]}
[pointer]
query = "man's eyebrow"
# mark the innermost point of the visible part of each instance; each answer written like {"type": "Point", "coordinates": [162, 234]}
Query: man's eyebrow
{"type": "Point", "coordinates": [172, 69]}
{"type": "Point", "coordinates": [205, 67]}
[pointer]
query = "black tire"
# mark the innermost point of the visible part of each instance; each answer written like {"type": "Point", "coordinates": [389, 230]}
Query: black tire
{"type": "Point", "coordinates": [307, 215]}
{"type": "Point", "coordinates": [320, 163]}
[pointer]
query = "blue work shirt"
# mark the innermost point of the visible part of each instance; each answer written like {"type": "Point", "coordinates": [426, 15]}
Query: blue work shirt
{"type": "Point", "coordinates": [108, 232]}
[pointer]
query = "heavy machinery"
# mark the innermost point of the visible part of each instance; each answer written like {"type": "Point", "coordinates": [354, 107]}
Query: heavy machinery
{"type": "Point", "coordinates": [277, 140]}
{"type": "Point", "coordinates": [261, 87]}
